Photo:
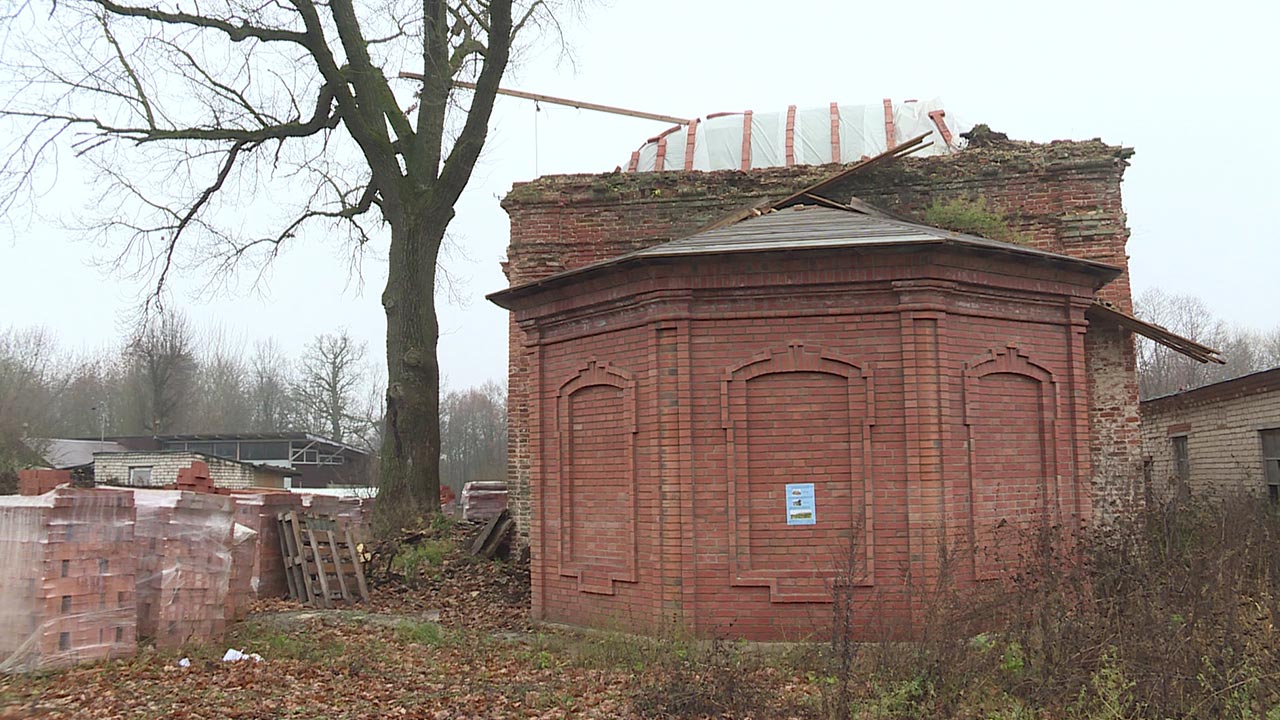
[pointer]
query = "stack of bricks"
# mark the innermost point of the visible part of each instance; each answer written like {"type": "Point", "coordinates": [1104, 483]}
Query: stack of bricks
{"type": "Point", "coordinates": [196, 478]}
{"type": "Point", "coordinates": [66, 578]}
{"type": "Point", "coordinates": [39, 482]}
{"type": "Point", "coordinates": [244, 549]}
{"type": "Point", "coordinates": [483, 500]}
{"type": "Point", "coordinates": [183, 545]}
{"type": "Point", "coordinates": [259, 511]}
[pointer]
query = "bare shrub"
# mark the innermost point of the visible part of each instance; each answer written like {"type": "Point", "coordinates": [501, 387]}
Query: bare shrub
{"type": "Point", "coordinates": [690, 679]}
{"type": "Point", "coordinates": [1175, 616]}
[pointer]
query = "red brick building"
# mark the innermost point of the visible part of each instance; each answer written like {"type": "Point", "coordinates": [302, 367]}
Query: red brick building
{"type": "Point", "coordinates": [674, 393]}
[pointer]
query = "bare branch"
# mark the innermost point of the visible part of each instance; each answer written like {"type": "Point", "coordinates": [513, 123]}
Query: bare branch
{"type": "Point", "coordinates": [238, 33]}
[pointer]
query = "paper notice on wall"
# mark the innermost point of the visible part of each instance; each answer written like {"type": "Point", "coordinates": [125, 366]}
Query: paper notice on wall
{"type": "Point", "coordinates": [801, 507]}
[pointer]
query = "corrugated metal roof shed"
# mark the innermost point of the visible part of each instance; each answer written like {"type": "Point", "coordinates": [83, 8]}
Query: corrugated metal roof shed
{"type": "Point", "coordinates": [61, 453]}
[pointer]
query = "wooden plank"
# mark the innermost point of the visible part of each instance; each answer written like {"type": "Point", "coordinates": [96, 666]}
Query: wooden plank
{"type": "Point", "coordinates": [288, 559]}
{"type": "Point", "coordinates": [321, 575]}
{"type": "Point", "coordinates": [577, 104]}
{"type": "Point", "coordinates": [338, 565]}
{"type": "Point", "coordinates": [490, 539]}
{"type": "Point", "coordinates": [358, 563]}
{"type": "Point", "coordinates": [299, 566]}
{"type": "Point", "coordinates": [299, 546]}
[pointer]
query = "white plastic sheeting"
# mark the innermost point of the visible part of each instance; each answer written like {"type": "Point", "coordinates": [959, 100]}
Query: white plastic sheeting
{"type": "Point", "coordinates": [804, 136]}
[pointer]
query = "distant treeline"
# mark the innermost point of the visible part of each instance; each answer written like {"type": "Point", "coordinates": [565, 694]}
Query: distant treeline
{"type": "Point", "coordinates": [168, 378]}
{"type": "Point", "coordinates": [1162, 370]}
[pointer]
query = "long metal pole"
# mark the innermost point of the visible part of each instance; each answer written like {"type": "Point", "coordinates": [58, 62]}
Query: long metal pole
{"type": "Point", "coordinates": [539, 97]}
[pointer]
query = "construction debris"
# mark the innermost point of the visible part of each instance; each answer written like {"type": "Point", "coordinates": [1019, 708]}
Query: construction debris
{"type": "Point", "coordinates": [495, 537]}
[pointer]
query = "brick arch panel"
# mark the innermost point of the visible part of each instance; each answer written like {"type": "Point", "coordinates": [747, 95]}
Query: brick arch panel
{"type": "Point", "coordinates": [1010, 417]}
{"type": "Point", "coordinates": [595, 445]}
{"type": "Point", "coordinates": [816, 409]}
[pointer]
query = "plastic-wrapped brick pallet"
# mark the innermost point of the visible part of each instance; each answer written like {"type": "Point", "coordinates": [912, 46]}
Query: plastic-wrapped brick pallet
{"type": "Point", "coordinates": [483, 499]}
{"type": "Point", "coordinates": [67, 574]}
{"type": "Point", "coordinates": [244, 549]}
{"type": "Point", "coordinates": [183, 543]}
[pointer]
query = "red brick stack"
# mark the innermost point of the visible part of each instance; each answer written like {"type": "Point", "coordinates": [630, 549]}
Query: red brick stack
{"type": "Point", "coordinates": [39, 482]}
{"type": "Point", "coordinates": [259, 511]}
{"type": "Point", "coordinates": [183, 544]}
{"type": "Point", "coordinates": [244, 550]}
{"type": "Point", "coordinates": [66, 578]}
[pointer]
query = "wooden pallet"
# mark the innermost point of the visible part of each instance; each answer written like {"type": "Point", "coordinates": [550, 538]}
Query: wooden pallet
{"type": "Point", "coordinates": [321, 560]}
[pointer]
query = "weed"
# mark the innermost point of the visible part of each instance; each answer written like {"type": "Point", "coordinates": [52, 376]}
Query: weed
{"type": "Point", "coordinates": [422, 633]}
{"type": "Point", "coordinates": [424, 558]}
{"type": "Point", "coordinates": [972, 217]}
{"type": "Point", "coordinates": [695, 680]}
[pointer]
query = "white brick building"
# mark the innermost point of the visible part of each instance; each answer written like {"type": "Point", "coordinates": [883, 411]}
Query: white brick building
{"type": "Point", "coordinates": [1215, 441]}
{"type": "Point", "coordinates": [158, 468]}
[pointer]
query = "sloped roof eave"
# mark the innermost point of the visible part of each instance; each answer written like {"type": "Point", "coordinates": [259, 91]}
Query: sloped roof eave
{"type": "Point", "coordinates": [1192, 349]}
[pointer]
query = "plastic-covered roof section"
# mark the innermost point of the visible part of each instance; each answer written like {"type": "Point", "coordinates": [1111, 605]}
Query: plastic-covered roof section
{"type": "Point", "coordinates": [837, 133]}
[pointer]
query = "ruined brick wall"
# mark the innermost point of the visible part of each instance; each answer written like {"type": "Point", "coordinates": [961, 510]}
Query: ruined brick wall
{"type": "Point", "coordinates": [1223, 427]}
{"type": "Point", "coordinates": [673, 403]}
{"type": "Point", "coordinates": [1062, 196]}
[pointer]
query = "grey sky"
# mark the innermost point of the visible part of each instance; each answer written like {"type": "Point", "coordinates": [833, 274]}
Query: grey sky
{"type": "Point", "coordinates": [1188, 85]}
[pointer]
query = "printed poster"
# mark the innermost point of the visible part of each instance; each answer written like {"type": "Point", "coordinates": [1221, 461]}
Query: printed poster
{"type": "Point", "coordinates": [801, 507]}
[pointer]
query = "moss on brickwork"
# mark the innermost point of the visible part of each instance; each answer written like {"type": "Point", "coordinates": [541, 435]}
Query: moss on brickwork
{"type": "Point", "coordinates": [972, 217]}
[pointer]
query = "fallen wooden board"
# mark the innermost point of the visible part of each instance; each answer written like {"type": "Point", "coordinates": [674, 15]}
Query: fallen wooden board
{"type": "Point", "coordinates": [493, 536]}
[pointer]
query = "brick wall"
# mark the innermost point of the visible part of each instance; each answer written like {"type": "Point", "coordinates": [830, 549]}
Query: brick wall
{"type": "Point", "coordinates": [113, 469]}
{"type": "Point", "coordinates": [1062, 196]}
{"type": "Point", "coordinates": [1221, 424]}
{"type": "Point", "coordinates": [669, 405]}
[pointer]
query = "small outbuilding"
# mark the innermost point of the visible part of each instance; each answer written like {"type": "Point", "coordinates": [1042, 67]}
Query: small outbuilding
{"type": "Point", "coordinates": [1215, 441]}
{"type": "Point", "coordinates": [726, 426]}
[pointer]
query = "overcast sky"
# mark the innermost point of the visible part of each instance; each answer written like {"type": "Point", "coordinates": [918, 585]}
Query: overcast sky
{"type": "Point", "coordinates": [1190, 86]}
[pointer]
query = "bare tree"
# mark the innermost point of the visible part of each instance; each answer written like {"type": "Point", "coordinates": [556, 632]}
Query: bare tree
{"type": "Point", "coordinates": [473, 426]}
{"type": "Point", "coordinates": [28, 387]}
{"type": "Point", "coordinates": [327, 393]}
{"type": "Point", "coordinates": [221, 396]}
{"type": "Point", "coordinates": [1162, 371]}
{"type": "Point", "coordinates": [188, 110]}
{"type": "Point", "coordinates": [89, 403]}
{"type": "Point", "coordinates": [163, 367]}
{"type": "Point", "coordinates": [268, 388]}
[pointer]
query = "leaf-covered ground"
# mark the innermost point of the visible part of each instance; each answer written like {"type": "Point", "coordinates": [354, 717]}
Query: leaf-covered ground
{"type": "Point", "coordinates": [453, 641]}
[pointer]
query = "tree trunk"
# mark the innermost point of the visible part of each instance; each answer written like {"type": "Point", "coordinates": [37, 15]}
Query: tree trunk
{"type": "Point", "coordinates": [409, 482]}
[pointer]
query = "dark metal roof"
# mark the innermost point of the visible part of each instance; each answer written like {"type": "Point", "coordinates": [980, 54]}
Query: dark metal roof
{"type": "Point", "coordinates": [237, 437]}
{"type": "Point", "coordinates": [806, 227]}
{"type": "Point", "coordinates": [810, 227]}
{"type": "Point", "coordinates": [1190, 348]}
